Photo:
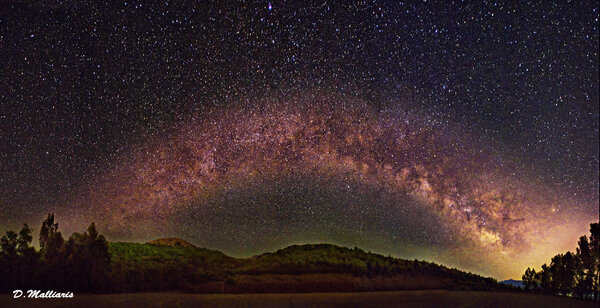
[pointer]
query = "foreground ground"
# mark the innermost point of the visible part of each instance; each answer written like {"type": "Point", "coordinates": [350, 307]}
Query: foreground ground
{"type": "Point", "coordinates": [429, 298]}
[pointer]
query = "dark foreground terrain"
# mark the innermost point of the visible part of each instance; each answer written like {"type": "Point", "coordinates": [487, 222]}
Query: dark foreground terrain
{"type": "Point", "coordinates": [428, 298]}
{"type": "Point", "coordinates": [295, 269]}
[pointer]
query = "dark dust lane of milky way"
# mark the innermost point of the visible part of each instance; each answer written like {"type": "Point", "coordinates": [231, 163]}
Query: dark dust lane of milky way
{"type": "Point", "coordinates": [460, 133]}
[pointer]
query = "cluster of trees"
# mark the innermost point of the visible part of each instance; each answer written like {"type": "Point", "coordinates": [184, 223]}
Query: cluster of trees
{"type": "Point", "coordinates": [571, 274]}
{"type": "Point", "coordinates": [87, 262]}
{"type": "Point", "coordinates": [143, 267]}
{"type": "Point", "coordinates": [326, 258]}
{"type": "Point", "coordinates": [81, 263]}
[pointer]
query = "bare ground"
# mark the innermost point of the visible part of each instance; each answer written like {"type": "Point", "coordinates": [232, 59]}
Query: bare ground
{"type": "Point", "coordinates": [427, 298]}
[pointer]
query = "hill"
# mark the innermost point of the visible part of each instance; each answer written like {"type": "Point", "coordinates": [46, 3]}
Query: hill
{"type": "Point", "coordinates": [514, 283]}
{"type": "Point", "coordinates": [171, 241]}
{"type": "Point", "coordinates": [297, 268]}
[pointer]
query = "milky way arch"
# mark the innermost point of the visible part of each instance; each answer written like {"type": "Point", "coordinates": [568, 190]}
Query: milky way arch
{"type": "Point", "coordinates": [260, 174]}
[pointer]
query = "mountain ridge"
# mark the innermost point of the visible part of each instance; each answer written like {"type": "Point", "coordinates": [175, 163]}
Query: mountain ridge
{"type": "Point", "coordinates": [171, 241]}
{"type": "Point", "coordinates": [295, 268]}
{"type": "Point", "coordinates": [513, 282]}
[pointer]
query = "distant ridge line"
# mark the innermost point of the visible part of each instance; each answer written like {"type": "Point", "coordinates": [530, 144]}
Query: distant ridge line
{"type": "Point", "coordinates": [171, 241]}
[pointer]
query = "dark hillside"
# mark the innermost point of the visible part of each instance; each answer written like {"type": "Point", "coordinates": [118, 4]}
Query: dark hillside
{"type": "Point", "coordinates": [297, 268]}
{"type": "Point", "coordinates": [146, 267]}
{"type": "Point", "coordinates": [171, 241]}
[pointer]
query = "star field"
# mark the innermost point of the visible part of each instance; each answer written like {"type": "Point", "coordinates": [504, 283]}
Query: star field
{"type": "Point", "coordinates": [464, 133]}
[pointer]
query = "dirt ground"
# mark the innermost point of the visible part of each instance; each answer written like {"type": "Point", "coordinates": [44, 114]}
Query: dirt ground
{"type": "Point", "coordinates": [428, 298]}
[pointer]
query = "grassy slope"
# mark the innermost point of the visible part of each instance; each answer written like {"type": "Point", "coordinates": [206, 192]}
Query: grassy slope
{"type": "Point", "coordinates": [144, 267]}
{"type": "Point", "coordinates": [298, 268]}
{"type": "Point", "coordinates": [142, 253]}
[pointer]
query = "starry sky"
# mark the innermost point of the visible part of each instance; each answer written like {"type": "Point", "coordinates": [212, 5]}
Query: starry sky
{"type": "Point", "coordinates": [460, 133]}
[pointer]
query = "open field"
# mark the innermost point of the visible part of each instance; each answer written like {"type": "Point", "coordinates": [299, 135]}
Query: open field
{"type": "Point", "coordinates": [428, 298]}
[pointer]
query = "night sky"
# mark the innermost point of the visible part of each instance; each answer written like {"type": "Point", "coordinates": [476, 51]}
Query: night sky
{"type": "Point", "coordinates": [460, 133]}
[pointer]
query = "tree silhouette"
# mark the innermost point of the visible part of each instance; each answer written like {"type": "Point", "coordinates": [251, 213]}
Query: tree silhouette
{"type": "Point", "coordinates": [530, 280]}
{"type": "Point", "coordinates": [51, 240]}
{"type": "Point", "coordinates": [8, 258]}
{"type": "Point", "coordinates": [53, 267]}
{"type": "Point", "coordinates": [563, 268]}
{"type": "Point", "coordinates": [88, 259]}
{"type": "Point", "coordinates": [24, 240]}
{"type": "Point", "coordinates": [574, 274]}
{"type": "Point", "coordinates": [584, 275]}
{"type": "Point", "coordinates": [18, 261]}
{"type": "Point", "coordinates": [594, 268]}
{"type": "Point", "coordinates": [9, 244]}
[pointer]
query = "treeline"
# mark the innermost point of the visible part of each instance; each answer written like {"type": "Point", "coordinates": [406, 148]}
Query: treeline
{"type": "Point", "coordinates": [79, 264]}
{"type": "Point", "coordinates": [145, 268]}
{"type": "Point", "coordinates": [142, 267]}
{"type": "Point", "coordinates": [88, 263]}
{"type": "Point", "coordinates": [327, 258]}
{"type": "Point", "coordinates": [570, 274]}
